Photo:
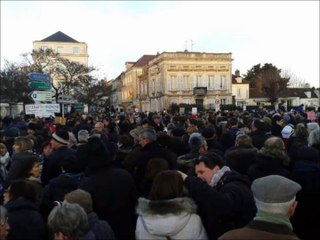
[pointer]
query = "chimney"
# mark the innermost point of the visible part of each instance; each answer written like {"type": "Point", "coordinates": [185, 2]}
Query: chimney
{"type": "Point", "coordinates": [237, 72]}
{"type": "Point", "coordinates": [129, 65]}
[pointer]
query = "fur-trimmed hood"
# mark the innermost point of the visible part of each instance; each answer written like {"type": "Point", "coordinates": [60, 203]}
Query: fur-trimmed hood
{"type": "Point", "coordinates": [173, 218]}
{"type": "Point", "coordinates": [173, 206]}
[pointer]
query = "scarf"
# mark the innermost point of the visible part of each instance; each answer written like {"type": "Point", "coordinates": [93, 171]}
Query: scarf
{"type": "Point", "coordinates": [216, 177]}
{"type": "Point", "coordinates": [277, 219]}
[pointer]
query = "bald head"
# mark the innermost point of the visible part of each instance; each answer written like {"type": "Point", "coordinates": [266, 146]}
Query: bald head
{"type": "Point", "coordinates": [274, 143]}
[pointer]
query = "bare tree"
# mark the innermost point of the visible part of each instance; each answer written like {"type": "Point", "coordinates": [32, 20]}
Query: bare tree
{"type": "Point", "coordinates": [295, 81]}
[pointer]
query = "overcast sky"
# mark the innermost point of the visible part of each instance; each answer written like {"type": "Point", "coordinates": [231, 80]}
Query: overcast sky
{"type": "Point", "coordinates": [284, 33]}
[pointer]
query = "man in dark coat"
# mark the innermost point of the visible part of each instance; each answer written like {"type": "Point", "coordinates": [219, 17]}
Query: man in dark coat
{"type": "Point", "coordinates": [259, 133]}
{"type": "Point", "coordinates": [223, 197]}
{"type": "Point", "coordinates": [156, 123]}
{"type": "Point", "coordinates": [306, 172]}
{"type": "Point", "coordinates": [113, 190]}
{"type": "Point", "coordinates": [242, 155]}
{"type": "Point", "coordinates": [272, 159]}
{"type": "Point", "coordinates": [275, 199]}
{"type": "Point", "coordinates": [52, 167]}
{"type": "Point", "coordinates": [136, 162]}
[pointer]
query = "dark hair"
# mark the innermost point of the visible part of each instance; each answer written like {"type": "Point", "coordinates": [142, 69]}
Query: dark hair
{"type": "Point", "coordinates": [167, 185]}
{"type": "Point", "coordinates": [22, 188]}
{"type": "Point", "coordinates": [125, 140]}
{"type": "Point", "coordinates": [154, 166]}
{"type": "Point", "coordinates": [232, 121]}
{"type": "Point", "coordinates": [26, 166]}
{"type": "Point", "coordinates": [260, 125]}
{"type": "Point", "coordinates": [210, 160]}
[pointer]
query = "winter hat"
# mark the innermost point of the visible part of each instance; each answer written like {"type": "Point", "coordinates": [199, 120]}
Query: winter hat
{"type": "Point", "coordinates": [12, 132]}
{"type": "Point", "coordinates": [274, 189]}
{"type": "Point", "coordinates": [61, 136]}
{"type": "Point", "coordinates": [196, 141]}
{"type": "Point", "coordinates": [287, 131]}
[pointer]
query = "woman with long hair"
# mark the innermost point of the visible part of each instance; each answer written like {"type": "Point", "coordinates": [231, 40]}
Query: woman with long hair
{"type": "Point", "coordinates": [168, 214]}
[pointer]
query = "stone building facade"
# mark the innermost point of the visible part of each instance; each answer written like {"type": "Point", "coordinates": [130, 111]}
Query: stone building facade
{"type": "Point", "coordinates": [66, 46]}
{"type": "Point", "coordinates": [185, 77]}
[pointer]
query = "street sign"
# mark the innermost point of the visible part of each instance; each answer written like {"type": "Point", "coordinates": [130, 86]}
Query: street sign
{"type": "Point", "coordinates": [40, 85]}
{"type": "Point", "coordinates": [65, 99]}
{"type": "Point", "coordinates": [39, 77]}
{"type": "Point", "coordinates": [42, 110]}
{"type": "Point", "coordinates": [41, 96]}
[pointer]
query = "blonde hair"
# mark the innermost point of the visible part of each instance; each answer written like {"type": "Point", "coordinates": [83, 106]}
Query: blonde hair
{"type": "Point", "coordinates": [3, 146]}
{"type": "Point", "coordinates": [24, 143]}
{"type": "Point", "coordinates": [192, 129]}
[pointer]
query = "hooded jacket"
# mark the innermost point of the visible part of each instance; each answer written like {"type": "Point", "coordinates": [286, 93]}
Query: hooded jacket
{"type": "Point", "coordinates": [169, 219]}
{"type": "Point", "coordinates": [24, 220]}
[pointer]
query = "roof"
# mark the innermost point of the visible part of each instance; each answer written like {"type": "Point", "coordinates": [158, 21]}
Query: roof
{"type": "Point", "coordinates": [144, 60]}
{"type": "Point", "coordinates": [59, 37]}
{"type": "Point", "coordinates": [235, 82]}
{"type": "Point", "coordinates": [289, 92]}
{"type": "Point", "coordinates": [299, 92]}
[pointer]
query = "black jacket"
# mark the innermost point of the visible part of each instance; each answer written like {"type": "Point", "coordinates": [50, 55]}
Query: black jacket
{"type": "Point", "coordinates": [136, 162]}
{"type": "Point", "coordinates": [267, 165]}
{"type": "Point", "coordinates": [52, 166]}
{"type": "Point", "coordinates": [240, 158]}
{"type": "Point", "coordinates": [227, 206]}
{"type": "Point", "coordinates": [114, 198]}
{"type": "Point", "coordinates": [305, 220]}
{"type": "Point", "coordinates": [24, 220]}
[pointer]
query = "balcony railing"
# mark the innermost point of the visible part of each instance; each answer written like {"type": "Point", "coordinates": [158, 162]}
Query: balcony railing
{"type": "Point", "coordinates": [200, 91]}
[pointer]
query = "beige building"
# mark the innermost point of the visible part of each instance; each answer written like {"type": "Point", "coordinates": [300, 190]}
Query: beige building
{"type": "Point", "coordinates": [185, 77]}
{"type": "Point", "coordinates": [240, 90]}
{"type": "Point", "coordinates": [130, 84]}
{"type": "Point", "coordinates": [66, 46]}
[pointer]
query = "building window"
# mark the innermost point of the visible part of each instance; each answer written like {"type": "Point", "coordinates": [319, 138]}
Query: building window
{"type": "Point", "coordinates": [211, 81]}
{"type": "Point", "coordinates": [153, 86]}
{"type": "Point", "coordinates": [223, 101]}
{"type": "Point", "coordinates": [222, 82]}
{"type": "Point", "coordinates": [186, 82]}
{"type": "Point", "coordinates": [60, 50]}
{"type": "Point", "coordinates": [174, 83]}
{"type": "Point", "coordinates": [198, 83]}
{"type": "Point", "coordinates": [239, 92]}
{"type": "Point", "coordinates": [76, 51]}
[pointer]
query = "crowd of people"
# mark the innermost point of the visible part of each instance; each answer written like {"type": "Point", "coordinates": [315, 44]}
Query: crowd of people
{"type": "Point", "coordinates": [161, 175]}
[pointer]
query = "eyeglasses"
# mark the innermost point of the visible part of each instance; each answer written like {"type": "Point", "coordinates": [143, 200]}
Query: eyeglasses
{"type": "Point", "coordinates": [3, 221]}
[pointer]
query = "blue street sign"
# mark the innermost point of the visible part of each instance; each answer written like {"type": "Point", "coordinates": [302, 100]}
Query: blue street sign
{"type": "Point", "coordinates": [39, 77]}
